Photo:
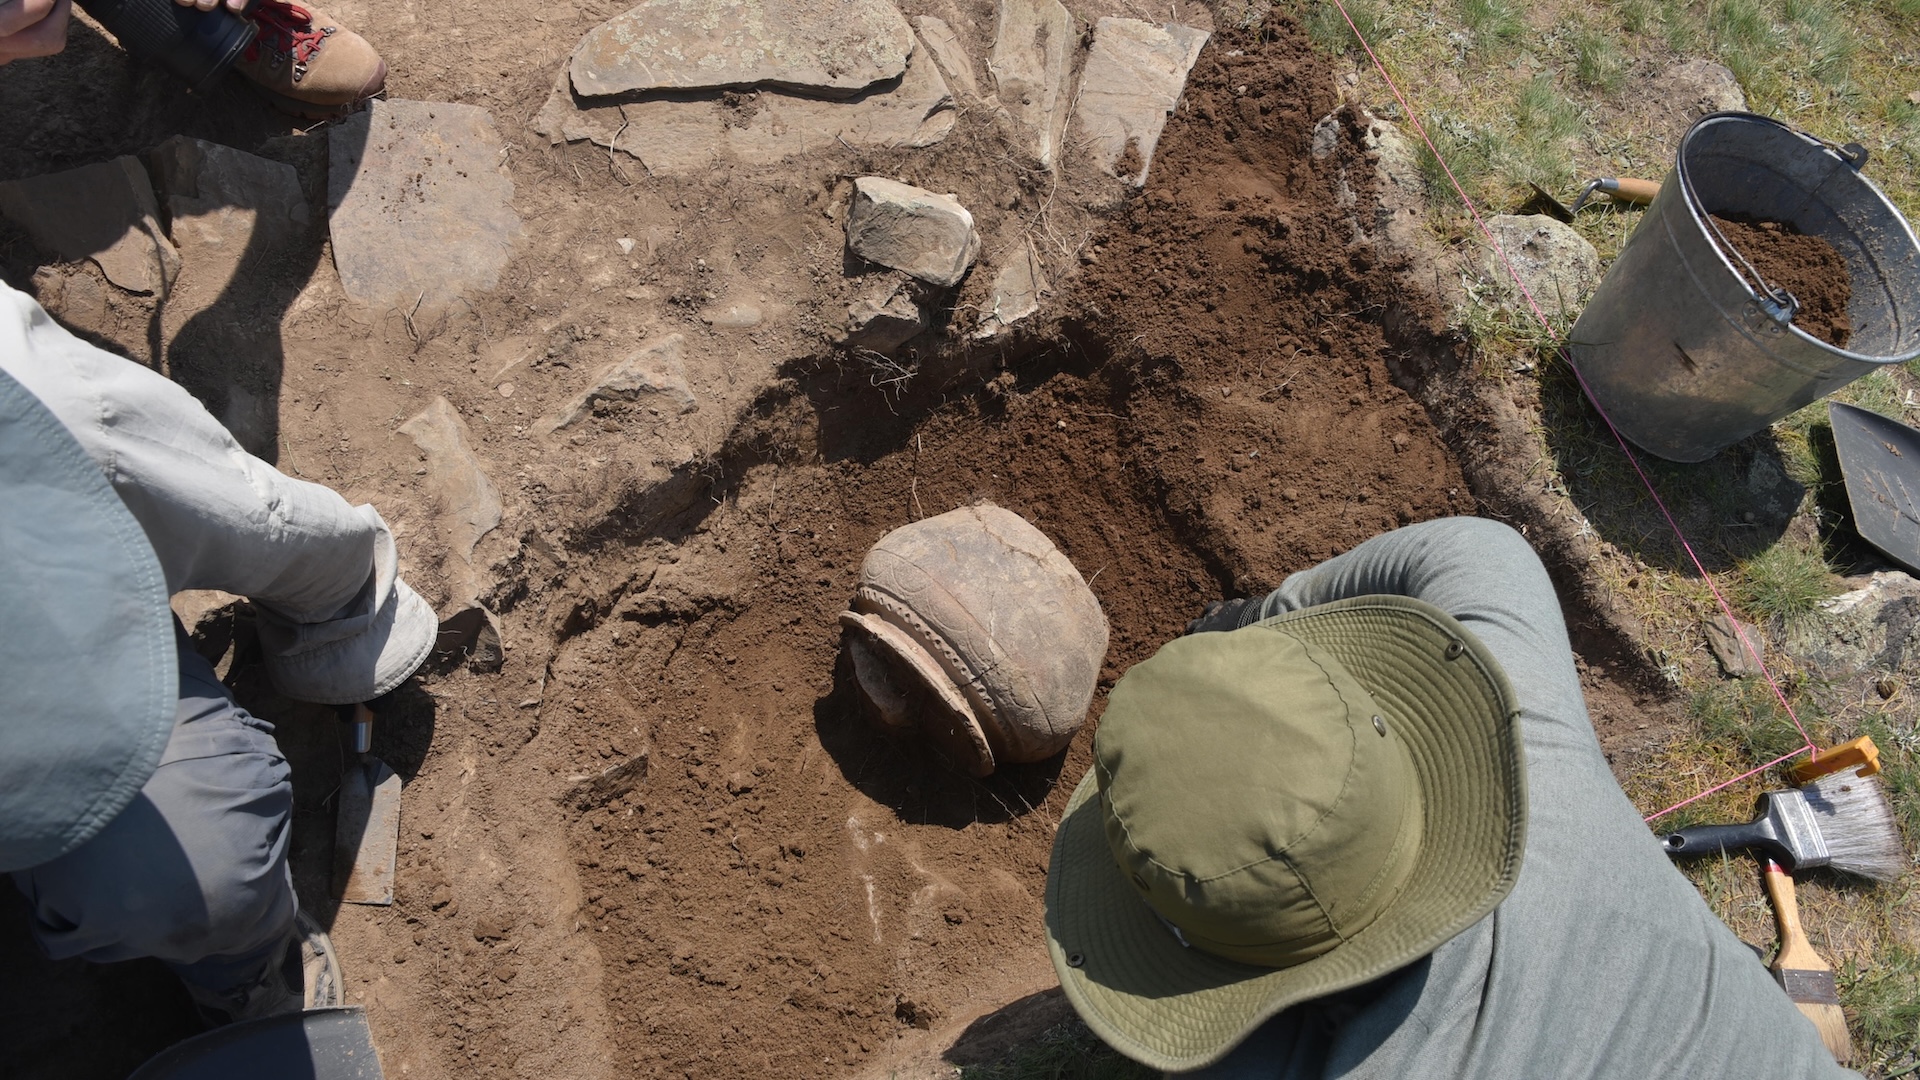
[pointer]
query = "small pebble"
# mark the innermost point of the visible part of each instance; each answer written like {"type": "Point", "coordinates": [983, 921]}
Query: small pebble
{"type": "Point", "coordinates": [506, 389]}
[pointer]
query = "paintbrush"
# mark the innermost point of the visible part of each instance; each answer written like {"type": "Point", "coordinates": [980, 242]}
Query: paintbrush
{"type": "Point", "coordinates": [1840, 820]}
{"type": "Point", "coordinates": [1802, 973]}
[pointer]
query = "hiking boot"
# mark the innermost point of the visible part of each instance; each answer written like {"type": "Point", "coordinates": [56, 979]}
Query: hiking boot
{"type": "Point", "coordinates": [307, 976]}
{"type": "Point", "coordinates": [308, 64]}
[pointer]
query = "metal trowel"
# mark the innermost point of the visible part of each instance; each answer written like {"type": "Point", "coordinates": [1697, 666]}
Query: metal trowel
{"type": "Point", "coordinates": [1880, 462]}
{"type": "Point", "coordinates": [366, 834]}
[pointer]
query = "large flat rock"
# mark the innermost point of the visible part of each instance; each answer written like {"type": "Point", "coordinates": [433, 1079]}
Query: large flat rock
{"type": "Point", "coordinates": [104, 212]}
{"type": "Point", "coordinates": [226, 207]}
{"type": "Point", "coordinates": [912, 230]}
{"type": "Point", "coordinates": [422, 206]}
{"type": "Point", "coordinates": [1031, 62]}
{"type": "Point", "coordinates": [467, 504]}
{"type": "Point", "coordinates": [1135, 72]}
{"type": "Point", "coordinates": [651, 381]}
{"type": "Point", "coordinates": [833, 47]}
{"type": "Point", "coordinates": [685, 137]}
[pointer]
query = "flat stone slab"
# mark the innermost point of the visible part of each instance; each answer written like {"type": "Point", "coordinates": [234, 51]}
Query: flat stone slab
{"type": "Point", "coordinates": [653, 377]}
{"type": "Point", "coordinates": [469, 503]}
{"type": "Point", "coordinates": [834, 47]}
{"type": "Point", "coordinates": [683, 137]}
{"type": "Point", "coordinates": [104, 212]}
{"type": "Point", "coordinates": [1031, 63]}
{"type": "Point", "coordinates": [887, 318]}
{"type": "Point", "coordinates": [912, 230]}
{"type": "Point", "coordinates": [952, 57]}
{"type": "Point", "coordinates": [226, 207]}
{"type": "Point", "coordinates": [1133, 79]}
{"type": "Point", "coordinates": [1724, 641]}
{"type": "Point", "coordinates": [422, 206]}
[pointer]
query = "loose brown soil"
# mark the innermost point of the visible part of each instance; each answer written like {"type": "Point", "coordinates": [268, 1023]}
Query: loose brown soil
{"type": "Point", "coordinates": [778, 890]}
{"type": "Point", "coordinates": [1806, 266]}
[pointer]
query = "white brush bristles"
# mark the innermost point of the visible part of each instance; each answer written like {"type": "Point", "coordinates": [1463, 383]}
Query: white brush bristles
{"type": "Point", "coordinates": [1858, 826]}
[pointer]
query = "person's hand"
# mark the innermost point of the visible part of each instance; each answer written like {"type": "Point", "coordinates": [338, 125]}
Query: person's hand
{"type": "Point", "coordinates": [33, 28]}
{"type": "Point", "coordinates": [238, 7]}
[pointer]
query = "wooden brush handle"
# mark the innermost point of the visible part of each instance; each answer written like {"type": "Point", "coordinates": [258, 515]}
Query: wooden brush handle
{"type": "Point", "coordinates": [1796, 952]}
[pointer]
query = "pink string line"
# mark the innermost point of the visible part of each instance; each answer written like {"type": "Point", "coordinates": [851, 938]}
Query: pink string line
{"type": "Point", "coordinates": [1647, 482]}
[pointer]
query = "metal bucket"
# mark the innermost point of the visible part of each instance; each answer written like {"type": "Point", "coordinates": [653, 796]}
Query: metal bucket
{"type": "Point", "coordinates": [1689, 356]}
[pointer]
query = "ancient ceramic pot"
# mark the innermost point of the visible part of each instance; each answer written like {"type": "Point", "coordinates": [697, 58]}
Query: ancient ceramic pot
{"type": "Point", "coordinates": [972, 627]}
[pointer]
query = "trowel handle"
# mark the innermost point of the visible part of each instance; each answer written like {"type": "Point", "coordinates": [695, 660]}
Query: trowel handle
{"type": "Point", "coordinates": [1713, 839]}
{"type": "Point", "coordinates": [1628, 189]}
{"type": "Point", "coordinates": [362, 729]}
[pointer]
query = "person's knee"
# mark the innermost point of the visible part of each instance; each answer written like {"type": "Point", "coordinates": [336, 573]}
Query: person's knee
{"type": "Point", "coordinates": [194, 867]}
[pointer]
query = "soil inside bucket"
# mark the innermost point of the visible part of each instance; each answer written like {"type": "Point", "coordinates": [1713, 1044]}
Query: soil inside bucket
{"type": "Point", "coordinates": [1806, 266]}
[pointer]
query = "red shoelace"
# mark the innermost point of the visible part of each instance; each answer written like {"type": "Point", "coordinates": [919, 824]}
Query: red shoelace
{"type": "Point", "coordinates": [286, 30]}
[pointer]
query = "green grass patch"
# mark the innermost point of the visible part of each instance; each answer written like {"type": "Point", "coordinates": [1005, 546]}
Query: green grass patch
{"type": "Point", "coordinates": [1743, 715]}
{"type": "Point", "coordinates": [1329, 31]}
{"type": "Point", "coordinates": [1884, 1000]}
{"type": "Point", "coordinates": [1786, 581]}
{"type": "Point", "coordinates": [1597, 63]}
{"type": "Point", "coordinates": [1496, 25]}
{"type": "Point", "coordinates": [1066, 1052]}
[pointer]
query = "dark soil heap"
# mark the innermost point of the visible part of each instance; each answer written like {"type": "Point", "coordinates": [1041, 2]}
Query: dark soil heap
{"type": "Point", "coordinates": [1806, 266]}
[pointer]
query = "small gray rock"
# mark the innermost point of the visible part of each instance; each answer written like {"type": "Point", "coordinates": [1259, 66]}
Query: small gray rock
{"type": "Point", "coordinates": [224, 203]}
{"type": "Point", "coordinates": [887, 321]}
{"type": "Point", "coordinates": [832, 47]}
{"type": "Point", "coordinates": [1735, 661]}
{"type": "Point", "coordinates": [1017, 289]}
{"type": "Point", "coordinates": [1695, 88]}
{"type": "Point", "coordinates": [422, 206]}
{"type": "Point", "coordinates": [1557, 265]}
{"type": "Point", "coordinates": [104, 212]}
{"type": "Point", "coordinates": [656, 374]}
{"type": "Point", "coordinates": [911, 230]}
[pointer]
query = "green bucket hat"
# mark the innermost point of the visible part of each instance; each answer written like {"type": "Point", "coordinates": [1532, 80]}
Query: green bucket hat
{"type": "Point", "coordinates": [1279, 813]}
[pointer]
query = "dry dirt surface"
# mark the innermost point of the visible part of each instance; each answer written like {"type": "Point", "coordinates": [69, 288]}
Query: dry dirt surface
{"type": "Point", "coordinates": [1806, 266]}
{"type": "Point", "coordinates": [762, 886]}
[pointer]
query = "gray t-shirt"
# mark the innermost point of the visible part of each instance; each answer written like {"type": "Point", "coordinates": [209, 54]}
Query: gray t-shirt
{"type": "Point", "coordinates": [1604, 961]}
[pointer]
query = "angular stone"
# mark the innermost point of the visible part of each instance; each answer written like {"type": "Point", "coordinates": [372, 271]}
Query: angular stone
{"type": "Point", "coordinates": [912, 230]}
{"type": "Point", "coordinates": [835, 47]}
{"type": "Point", "coordinates": [684, 137]}
{"type": "Point", "coordinates": [1726, 646]}
{"type": "Point", "coordinates": [469, 503]}
{"type": "Point", "coordinates": [422, 206]}
{"type": "Point", "coordinates": [1017, 289]}
{"type": "Point", "coordinates": [688, 137]}
{"type": "Point", "coordinates": [1133, 79]}
{"type": "Point", "coordinates": [733, 315]}
{"type": "Point", "coordinates": [1860, 636]}
{"type": "Point", "coordinates": [226, 207]}
{"type": "Point", "coordinates": [1557, 265]}
{"type": "Point", "coordinates": [1031, 62]}
{"type": "Point", "coordinates": [947, 51]}
{"type": "Point", "coordinates": [104, 212]}
{"type": "Point", "coordinates": [888, 319]}
{"type": "Point", "coordinates": [470, 635]}
{"type": "Point", "coordinates": [655, 374]}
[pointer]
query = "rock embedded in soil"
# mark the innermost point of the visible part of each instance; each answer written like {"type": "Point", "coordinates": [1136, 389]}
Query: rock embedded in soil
{"type": "Point", "coordinates": [1132, 82]}
{"type": "Point", "coordinates": [831, 47]}
{"type": "Point", "coordinates": [1017, 290]}
{"type": "Point", "coordinates": [1556, 264]}
{"type": "Point", "coordinates": [468, 503]}
{"type": "Point", "coordinates": [225, 206]}
{"type": "Point", "coordinates": [688, 137]}
{"type": "Point", "coordinates": [1031, 62]}
{"type": "Point", "coordinates": [912, 230]}
{"type": "Point", "coordinates": [653, 377]}
{"type": "Point", "coordinates": [1806, 266]}
{"type": "Point", "coordinates": [888, 319]}
{"type": "Point", "coordinates": [1726, 645]}
{"type": "Point", "coordinates": [947, 51]}
{"type": "Point", "coordinates": [104, 212]}
{"type": "Point", "coordinates": [1695, 88]}
{"type": "Point", "coordinates": [421, 204]}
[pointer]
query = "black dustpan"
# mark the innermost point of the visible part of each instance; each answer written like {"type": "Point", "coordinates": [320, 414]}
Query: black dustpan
{"type": "Point", "coordinates": [1880, 461]}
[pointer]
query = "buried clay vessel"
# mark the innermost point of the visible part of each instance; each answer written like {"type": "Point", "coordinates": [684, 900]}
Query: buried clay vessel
{"type": "Point", "coordinates": [973, 628]}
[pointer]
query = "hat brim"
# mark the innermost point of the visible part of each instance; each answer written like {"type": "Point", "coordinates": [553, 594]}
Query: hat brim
{"type": "Point", "coordinates": [1177, 1008]}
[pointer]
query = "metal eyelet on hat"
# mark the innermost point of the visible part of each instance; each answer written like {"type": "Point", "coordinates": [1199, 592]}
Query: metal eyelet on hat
{"type": "Point", "coordinates": [1075, 960]}
{"type": "Point", "coordinates": [1380, 725]}
{"type": "Point", "coordinates": [1455, 648]}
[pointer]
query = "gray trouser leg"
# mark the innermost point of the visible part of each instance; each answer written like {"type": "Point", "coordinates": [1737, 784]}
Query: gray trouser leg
{"type": "Point", "coordinates": [194, 871]}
